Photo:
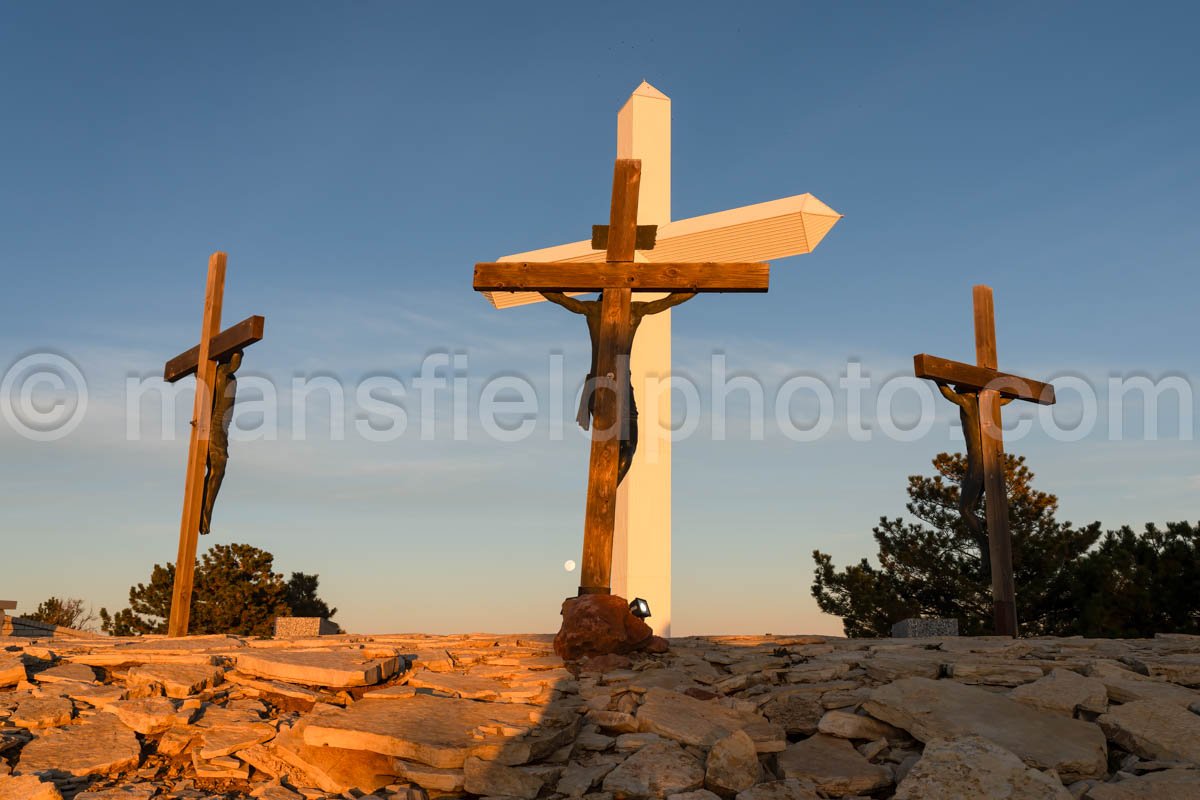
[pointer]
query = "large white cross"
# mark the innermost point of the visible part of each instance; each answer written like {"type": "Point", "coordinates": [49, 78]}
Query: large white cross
{"type": "Point", "coordinates": [768, 231]}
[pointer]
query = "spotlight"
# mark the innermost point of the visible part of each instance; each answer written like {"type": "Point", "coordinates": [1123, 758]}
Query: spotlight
{"type": "Point", "coordinates": [639, 608]}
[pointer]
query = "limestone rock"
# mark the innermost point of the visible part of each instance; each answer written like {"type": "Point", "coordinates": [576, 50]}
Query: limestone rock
{"type": "Point", "coordinates": [94, 695]}
{"type": "Point", "coordinates": [796, 712]}
{"type": "Point", "coordinates": [72, 673]}
{"type": "Point", "coordinates": [440, 732]}
{"type": "Point", "coordinates": [833, 765]}
{"type": "Point", "coordinates": [732, 765]}
{"type": "Point", "coordinates": [790, 789]}
{"type": "Point", "coordinates": [1158, 731]}
{"type": "Point", "coordinates": [895, 666]}
{"type": "Point", "coordinates": [613, 721]}
{"type": "Point", "coordinates": [176, 680]}
{"type": "Point", "coordinates": [699, 794]}
{"type": "Point", "coordinates": [12, 670]}
{"type": "Point", "coordinates": [457, 684]}
{"type": "Point", "coordinates": [223, 740]}
{"type": "Point", "coordinates": [336, 668]}
{"type": "Point", "coordinates": [1183, 669]}
{"type": "Point", "coordinates": [856, 726]}
{"type": "Point", "coordinates": [1063, 691]}
{"type": "Point", "coordinates": [994, 673]}
{"type": "Point", "coordinates": [335, 769]}
{"type": "Point", "coordinates": [98, 746]}
{"type": "Point", "coordinates": [599, 625]}
{"type": "Point", "coordinates": [1170, 784]}
{"type": "Point", "coordinates": [975, 767]}
{"type": "Point", "coordinates": [577, 779]}
{"type": "Point", "coordinates": [657, 770]}
{"type": "Point", "coordinates": [1125, 687]}
{"type": "Point", "coordinates": [605, 663]}
{"type": "Point", "coordinates": [490, 779]}
{"type": "Point", "coordinates": [42, 712]}
{"type": "Point", "coordinates": [151, 715]}
{"type": "Point", "coordinates": [702, 723]}
{"type": "Point", "coordinates": [27, 787]}
{"type": "Point", "coordinates": [946, 709]}
{"type": "Point", "coordinates": [121, 793]}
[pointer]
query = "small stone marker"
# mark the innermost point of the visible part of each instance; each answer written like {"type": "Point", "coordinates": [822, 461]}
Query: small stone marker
{"type": "Point", "coordinates": [304, 627]}
{"type": "Point", "coordinates": [920, 627]}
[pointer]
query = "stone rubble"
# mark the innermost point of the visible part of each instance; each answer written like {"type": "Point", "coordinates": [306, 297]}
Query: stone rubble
{"type": "Point", "coordinates": [713, 718]}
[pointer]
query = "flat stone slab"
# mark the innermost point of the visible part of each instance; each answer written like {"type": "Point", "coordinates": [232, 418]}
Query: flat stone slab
{"type": "Point", "coordinates": [703, 723]}
{"type": "Point", "coordinates": [1062, 692]}
{"type": "Point", "coordinates": [1124, 686]}
{"type": "Point", "coordinates": [176, 680]}
{"type": "Point", "coordinates": [438, 731]}
{"type": "Point", "coordinates": [72, 673]}
{"type": "Point", "coordinates": [335, 769]}
{"type": "Point", "coordinates": [1170, 784]}
{"type": "Point", "coordinates": [94, 695]}
{"type": "Point", "coordinates": [975, 767]}
{"type": "Point", "coordinates": [12, 670]}
{"type": "Point", "coordinates": [833, 765]}
{"type": "Point", "coordinates": [1183, 669]}
{"type": "Point", "coordinates": [27, 787]}
{"type": "Point", "coordinates": [468, 687]}
{"type": "Point", "coordinates": [945, 709]}
{"type": "Point", "coordinates": [99, 746]}
{"type": "Point", "coordinates": [42, 712]}
{"type": "Point", "coordinates": [335, 668]}
{"type": "Point", "coordinates": [657, 770]}
{"type": "Point", "coordinates": [151, 715]}
{"type": "Point", "coordinates": [1155, 731]}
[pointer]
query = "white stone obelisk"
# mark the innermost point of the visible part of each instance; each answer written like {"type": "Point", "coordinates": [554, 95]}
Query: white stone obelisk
{"type": "Point", "coordinates": [767, 231]}
{"type": "Point", "coordinates": [642, 541]}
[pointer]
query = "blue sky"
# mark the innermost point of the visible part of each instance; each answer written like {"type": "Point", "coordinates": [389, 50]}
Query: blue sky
{"type": "Point", "coordinates": [356, 159]}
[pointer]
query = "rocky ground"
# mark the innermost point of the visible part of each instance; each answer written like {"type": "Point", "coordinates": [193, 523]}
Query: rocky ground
{"type": "Point", "coordinates": [756, 718]}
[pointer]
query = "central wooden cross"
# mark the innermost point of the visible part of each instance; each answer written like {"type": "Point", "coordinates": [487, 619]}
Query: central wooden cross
{"type": "Point", "coordinates": [616, 278]}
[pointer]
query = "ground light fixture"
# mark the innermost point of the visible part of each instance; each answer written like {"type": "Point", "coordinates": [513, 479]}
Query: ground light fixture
{"type": "Point", "coordinates": [639, 608]}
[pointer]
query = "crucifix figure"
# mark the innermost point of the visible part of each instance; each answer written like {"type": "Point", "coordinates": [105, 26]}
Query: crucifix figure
{"type": "Point", "coordinates": [214, 362]}
{"type": "Point", "coordinates": [980, 390]}
{"type": "Point", "coordinates": [788, 226]}
{"type": "Point", "coordinates": [637, 312]}
{"type": "Point", "coordinates": [616, 279]}
{"type": "Point", "coordinates": [224, 396]}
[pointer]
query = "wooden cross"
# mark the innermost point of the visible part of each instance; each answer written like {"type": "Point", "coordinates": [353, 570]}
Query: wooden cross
{"type": "Point", "coordinates": [215, 346]}
{"type": "Point", "coordinates": [980, 390]}
{"type": "Point", "coordinates": [616, 279]}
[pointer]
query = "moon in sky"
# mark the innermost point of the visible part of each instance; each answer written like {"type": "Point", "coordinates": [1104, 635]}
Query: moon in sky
{"type": "Point", "coordinates": [569, 566]}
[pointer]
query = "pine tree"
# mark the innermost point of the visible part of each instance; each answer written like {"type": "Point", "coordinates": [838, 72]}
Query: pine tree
{"type": "Point", "coordinates": [235, 591]}
{"type": "Point", "coordinates": [934, 567]}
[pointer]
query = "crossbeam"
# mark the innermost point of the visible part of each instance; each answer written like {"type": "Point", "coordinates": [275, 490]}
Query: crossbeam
{"type": "Point", "coordinates": [969, 377]}
{"type": "Point", "coordinates": [224, 344]}
{"type": "Point", "coordinates": [597, 276]}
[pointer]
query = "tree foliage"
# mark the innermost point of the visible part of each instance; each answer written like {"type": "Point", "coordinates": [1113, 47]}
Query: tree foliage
{"type": "Point", "coordinates": [67, 612]}
{"type": "Point", "coordinates": [934, 567]}
{"type": "Point", "coordinates": [1140, 585]}
{"type": "Point", "coordinates": [235, 591]}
